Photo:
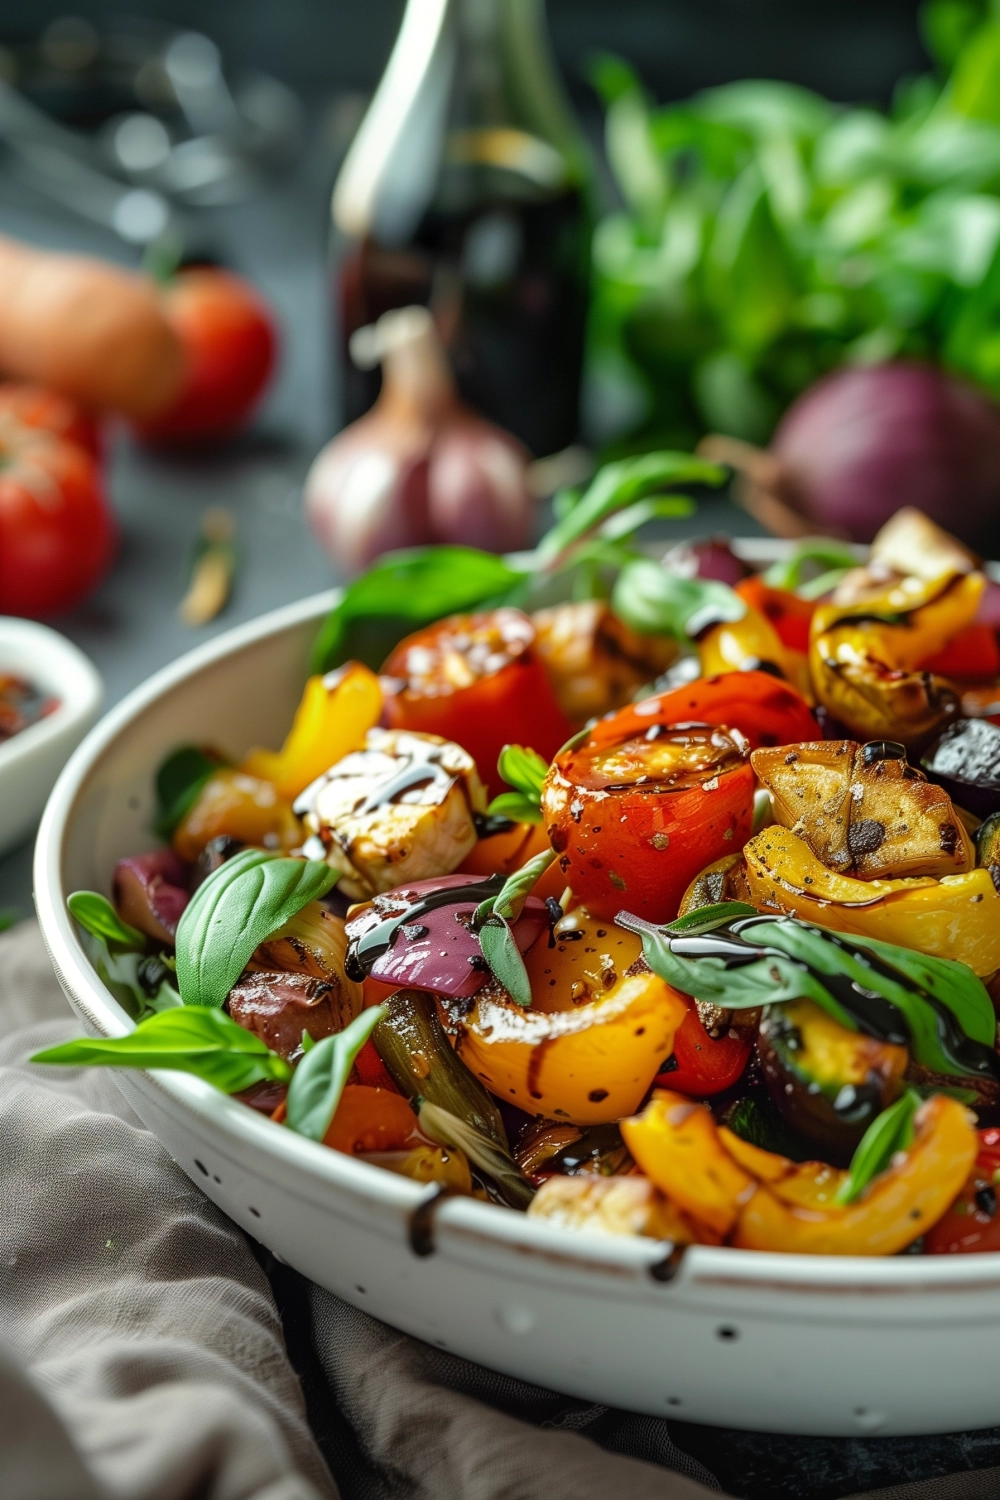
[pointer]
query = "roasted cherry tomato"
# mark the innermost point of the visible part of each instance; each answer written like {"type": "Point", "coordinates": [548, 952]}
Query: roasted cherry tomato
{"type": "Point", "coordinates": [972, 653]}
{"type": "Point", "coordinates": [36, 406]}
{"type": "Point", "coordinates": [703, 1065]}
{"type": "Point", "coordinates": [477, 680]}
{"type": "Point", "coordinates": [635, 816]}
{"type": "Point", "coordinates": [57, 532]}
{"type": "Point", "coordinates": [790, 615]}
{"type": "Point", "coordinates": [229, 337]}
{"type": "Point", "coordinates": [973, 1221]}
{"type": "Point", "coordinates": [765, 710]}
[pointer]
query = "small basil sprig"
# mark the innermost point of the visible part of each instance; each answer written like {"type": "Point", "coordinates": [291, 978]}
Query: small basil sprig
{"type": "Point", "coordinates": [178, 784]}
{"type": "Point", "coordinates": [141, 982]}
{"type": "Point", "coordinates": [97, 916]}
{"type": "Point", "coordinates": [492, 924]}
{"type": "Point", "coordinates": [525, 771]}
{"type": "Point", "coordinates": [936, 1006]}
{"type": "Point", "coordinates": [191, 1039]}
{"type": "Point", "coordinates": [617, 486]}
{"type": "Point", "coordinates": [238, 907]}
{"type": "Point", "coordinates": [318, 1081]}
{"type": "Point", "coordinates": [889, 1132]}
{"type": "Point", "coordinates": [828, 555]}
{"type": "Point", "coordinates": [654, 601]}
{"type": "Point", "coordinates": [402, 592]}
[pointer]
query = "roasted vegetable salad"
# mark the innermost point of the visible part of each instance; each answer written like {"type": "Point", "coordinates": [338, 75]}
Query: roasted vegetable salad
{"type": "Point", "coordinates": [672, 910]}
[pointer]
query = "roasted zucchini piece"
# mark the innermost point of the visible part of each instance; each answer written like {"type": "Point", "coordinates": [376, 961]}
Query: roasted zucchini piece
{"type": "Point", "coordinates": [826, 1081]}
{"type": "Point", "coordinates": [415, 1048]}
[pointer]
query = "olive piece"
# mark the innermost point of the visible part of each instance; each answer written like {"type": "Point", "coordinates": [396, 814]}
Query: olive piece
{"type": "Point", "coordinates": [882, 750]}
{"type": "Point", "coordinates": [966, 762]}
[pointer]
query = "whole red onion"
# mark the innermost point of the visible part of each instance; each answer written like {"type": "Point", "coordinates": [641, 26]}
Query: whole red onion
{"type": "Point", "coordinates": [865, 440]}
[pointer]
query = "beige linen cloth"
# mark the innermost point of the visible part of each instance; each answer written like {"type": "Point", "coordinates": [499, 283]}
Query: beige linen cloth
{"type": "Point", "coordinates": [142, 1355]}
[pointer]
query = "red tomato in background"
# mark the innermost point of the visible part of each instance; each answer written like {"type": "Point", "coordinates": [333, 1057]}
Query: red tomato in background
{"type": "Point", "coordinates": [229, 336]}
{"type": "Point", "coordinates": [58, 534]}
{"type": "Point", "coordinates": [35, 406]}
{"type": "Point", "coordinates": [706, 1065]}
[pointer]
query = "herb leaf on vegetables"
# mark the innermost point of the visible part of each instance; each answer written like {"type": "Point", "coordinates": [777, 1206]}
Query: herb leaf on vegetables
{"type": "Point", "coordinates": [319, 1079]}
{"type": "Point", "coordinates": [239, 906]}
{"type": "Point", "coordinates": [178, 783]}
{"type": "Point", "coordinates": [889, 1132]}
{"type": "Point", "coordinates": [525, 771]}
{"type": "Point", "coordinates": [403, 591]}
{"type": "Point", "coordinates": [191, 1039]}
{"type": "Point", "coordinates": [653, 601]}
{"type": "Point", "coordinates": [97, 916]}
{"type": "Point", "coordinates": [492, 923]}
{"type": "Point", "coordinates": [937, 1007]}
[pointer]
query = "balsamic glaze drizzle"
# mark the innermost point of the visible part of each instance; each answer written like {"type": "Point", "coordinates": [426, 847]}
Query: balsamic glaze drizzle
{"type": "Point", "coordinates": [873, 1013]}
{"type": "Point", "coordinates": [364, 952]}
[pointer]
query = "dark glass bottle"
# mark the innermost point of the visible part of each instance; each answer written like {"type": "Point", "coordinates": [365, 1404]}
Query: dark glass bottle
{"type": "Point", "coordinates": [466, 189]}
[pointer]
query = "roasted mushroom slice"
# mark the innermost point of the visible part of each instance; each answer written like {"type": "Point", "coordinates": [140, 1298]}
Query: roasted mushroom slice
{"type": "Point", "coordinates": [863, 810]}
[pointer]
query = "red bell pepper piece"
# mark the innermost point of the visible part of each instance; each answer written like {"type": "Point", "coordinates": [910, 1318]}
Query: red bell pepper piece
{"type": "Point", "coordinates": [790, 615]}
{"type": "Point", "coordinates": [476, 680]}
{"type": "Point", "coordinates": [702, 1065]}
{"type": "Point", "coordinates": [973, 652]}
{"type": "Point", "coordinates": [972, 1224]}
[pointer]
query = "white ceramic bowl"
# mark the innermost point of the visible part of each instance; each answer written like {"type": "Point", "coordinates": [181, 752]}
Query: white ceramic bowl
{"type": "Point", "coordinates": [31, 761]}
{"type": "Point", "coordinates": [775, 1342]}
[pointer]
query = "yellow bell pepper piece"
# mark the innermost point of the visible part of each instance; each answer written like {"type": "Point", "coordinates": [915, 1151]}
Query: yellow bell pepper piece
{"type": "Point", "coordinates": [898, 1206]}
{"type": "Point", "coordinates": [677, 1146]}
{"type": "Point", "coordinates": [737, 645]}
{"type": "Point", "coordinates": [589, 1065]}
{"type": "Point", "coordinates": [956, 917]}
{"type": "Point", "coordinates": [335, 713]}
{"type": "Point", "coordinates": [808, 1184]}
{"type": "Point", "coordinates": [240, 806]}
{"type": "Point", "coordinates": [865, 671]}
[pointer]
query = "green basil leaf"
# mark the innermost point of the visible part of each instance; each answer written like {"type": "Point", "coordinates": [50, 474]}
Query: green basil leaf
{"type": "Point", "coordinates": [525, 771]}
{"type": "Point", "coordinates": [178, 784]}
{"type": "Point", "coordinates": [661, 508]}
{"type": "Point", "coordinates": [516, 807]}
{"type": "Point", "coordinates": [404, 591]}
{"type": "Point", "coordinates": [916, 985]}
{"type": "Point", "coordinates": [951, 982]}
{"type": "Point", "coordinates": [622, 484]}
{"type": "Point", "coordinates": [96, 915]}
{"type": "Point", "coordinates": [319, 1079]}
{"type": "Point", "coordinates": [496, 1164]}
{"type": "Point", "coordinates": [655, 602]}
{"type": "Point", "coordinates": [501, 952]}
{"type": "Point", "coordinates": [190, 1039]}
{"type": "Point", "coordinates": [706, 918]}
{"type": "Point", "coordinates": [509, 901]}
{"type": "Point", "coordinates": [142, 983]}
{"type": "Point", "coordinates": [787, 574]}
{"type": "Point", "coordinates": [233, 911]}
{"type": "Point", "coordinates": [889, 1132]}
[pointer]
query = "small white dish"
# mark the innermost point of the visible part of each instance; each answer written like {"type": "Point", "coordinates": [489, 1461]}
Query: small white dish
{"type": "Point", "coordinates": [31, 761]}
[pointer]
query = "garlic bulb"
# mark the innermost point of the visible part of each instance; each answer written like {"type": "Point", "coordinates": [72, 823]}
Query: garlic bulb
{"type": "Point", "coordinates": [420, 466]}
